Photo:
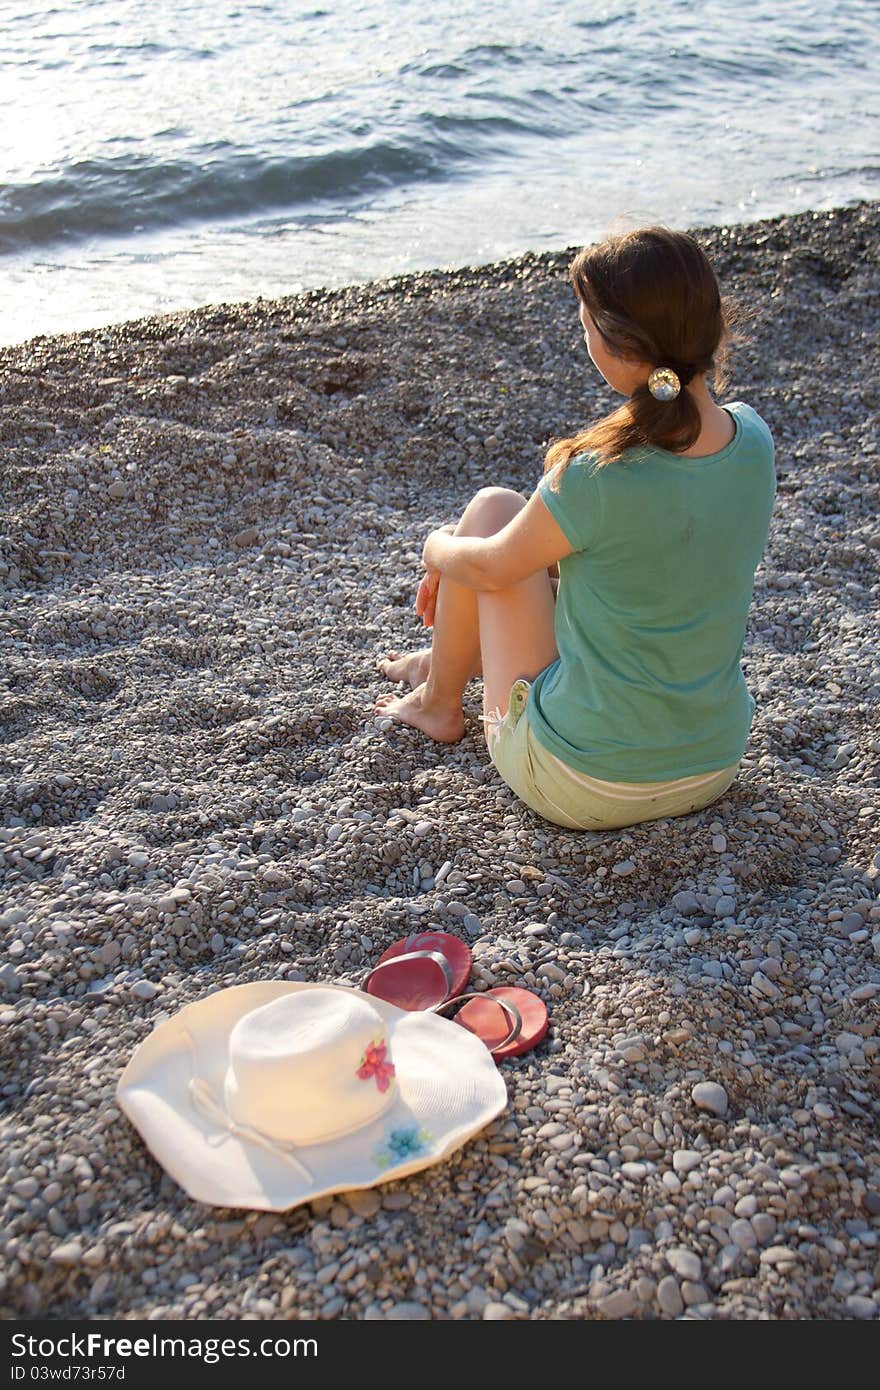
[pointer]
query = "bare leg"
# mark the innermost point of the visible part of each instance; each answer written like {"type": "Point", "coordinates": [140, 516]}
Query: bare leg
{"type": "Point", "coordinates": [413, 667]}
{"type": "Point", "coordinates": [510, 632]}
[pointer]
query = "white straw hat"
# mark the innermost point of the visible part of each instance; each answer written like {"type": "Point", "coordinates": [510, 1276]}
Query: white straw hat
{"type": "Point", "coordinates": [268, 1095]}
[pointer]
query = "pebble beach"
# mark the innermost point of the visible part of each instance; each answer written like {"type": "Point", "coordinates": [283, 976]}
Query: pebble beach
{"type": "Point", "coordinates": [211, 531]}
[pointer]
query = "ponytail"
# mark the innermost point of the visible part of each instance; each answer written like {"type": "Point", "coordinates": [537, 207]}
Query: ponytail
{"type": "Point", "coordinates": [653, 296]}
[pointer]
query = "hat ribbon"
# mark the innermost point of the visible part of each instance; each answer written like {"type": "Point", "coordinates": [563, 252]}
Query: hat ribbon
{"type": "Point", "coordinates": [206, 1104]}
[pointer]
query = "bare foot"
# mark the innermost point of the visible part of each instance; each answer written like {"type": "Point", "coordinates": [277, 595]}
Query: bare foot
{"type": "Point", "coordinates": [442, 724]}
{"type": "Point", "coordinates": [412, 667]}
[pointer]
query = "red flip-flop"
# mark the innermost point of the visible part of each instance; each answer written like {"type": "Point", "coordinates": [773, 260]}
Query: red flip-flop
{"type": "Point", "coordinates": [421, 971]}
{"type": "Point", "coordinates": [509, 1020]}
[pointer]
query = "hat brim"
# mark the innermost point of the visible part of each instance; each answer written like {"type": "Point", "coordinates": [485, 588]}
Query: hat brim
{"type": "Point", "coordinates": [448, 1088]}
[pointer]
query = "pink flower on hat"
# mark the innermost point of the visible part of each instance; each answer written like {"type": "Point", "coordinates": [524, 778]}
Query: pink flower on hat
{"type": "Point", "coordinates": [374, 1064]}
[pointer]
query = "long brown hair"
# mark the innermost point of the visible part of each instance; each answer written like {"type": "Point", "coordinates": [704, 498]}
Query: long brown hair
{"type": "Point", "coordinates": [653, 296]}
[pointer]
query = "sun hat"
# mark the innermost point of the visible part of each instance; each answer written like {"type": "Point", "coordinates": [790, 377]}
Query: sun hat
{"type": "Point", "coordinates": [271, 1094]}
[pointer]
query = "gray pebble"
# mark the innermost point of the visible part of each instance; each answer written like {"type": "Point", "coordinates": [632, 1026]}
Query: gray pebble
{"type": "Point", "coordinates": [363, 1202]}
{"type": "Point", "coordinates": [497, 1312]}
{"type": "Point", "coordinates": [683, 1160]}
{"type": "Point", "coordinates": [861, 1306]}
{"type": "Point", "coordinates": [145, 989]}
{"type": "Point", "coordinates": [70, 1253]}
{"type": "Point", "coordinates": [623, 868]}
{"type": "Point", "coordinates": [686, 903]}
{"type": "Point", "coordinates": [711, 1096]}
{"type": "Point", "coordinates": [408, 1312]}
{"type": "Point", "coordinates": [669, 1299]}
{"type": "Point", "coordinates": [684, 1262]}
{"type": "Point", "coordinates": [620, 1303]}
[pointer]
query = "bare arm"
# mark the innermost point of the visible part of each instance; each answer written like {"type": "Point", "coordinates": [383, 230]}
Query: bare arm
{"type": "Point", "coordinates": [531, 541]}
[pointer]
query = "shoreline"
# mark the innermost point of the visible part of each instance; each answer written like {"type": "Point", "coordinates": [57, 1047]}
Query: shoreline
{"type": "Point", "coordinates": [549, 256]}
{"type": "Point", "coordinates": [213, 527]}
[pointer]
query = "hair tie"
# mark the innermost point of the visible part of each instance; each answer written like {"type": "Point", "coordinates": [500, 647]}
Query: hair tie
{"type": "Point", "coordinates": [664, 384]}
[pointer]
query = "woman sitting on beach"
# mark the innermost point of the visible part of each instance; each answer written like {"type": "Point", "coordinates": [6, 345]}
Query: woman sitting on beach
{"type": "Point", "coordinates": [624, 699]}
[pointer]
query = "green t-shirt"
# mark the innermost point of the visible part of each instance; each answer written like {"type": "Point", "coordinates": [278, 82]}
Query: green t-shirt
{"type": "Point", "coordinates": [652, 608]}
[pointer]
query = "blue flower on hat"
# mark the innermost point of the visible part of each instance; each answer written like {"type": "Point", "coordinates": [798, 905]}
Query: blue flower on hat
{"type": "Point", "coordinates": [402, 1145]}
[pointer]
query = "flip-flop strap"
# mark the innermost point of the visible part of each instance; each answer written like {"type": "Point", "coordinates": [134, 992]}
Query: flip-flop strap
{"type": "Point", "coordinates": [511, 1010]}
{"type": "Point", "coordinates": [436, 957]}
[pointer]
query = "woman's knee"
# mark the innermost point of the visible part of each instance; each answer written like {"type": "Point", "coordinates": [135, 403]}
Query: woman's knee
{"type": "Point", "coordinates": [489, 510]}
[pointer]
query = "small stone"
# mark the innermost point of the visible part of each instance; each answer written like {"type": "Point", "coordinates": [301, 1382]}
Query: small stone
{"type": "Point", "coordinates": [26, 1188]}
{"type": "Point", "coordinates": [710, 1096]}
{"type": "Point", "coordinates": [396, 1201]}
{"type": "Point", "coordinates": [551, 972]}
{"type": "Point", "coordinates": [779, 1255]}
{"type": "Point", "coordinates": [694, 1293]}
{"type": "Point", "coordinates": [636, 1172]}
{"type": "Point", "coordinates": [364, 1202]}
{"type": "Point", "coordinates": [669, 1299]}
{"type": "Point", "coordinates": [10, 981]}
{"type": "Point", "coordinates": [624, 867]}
{"type": "Point", "coordinates": [340, 1215]}
{"type": "Point", "coordinates": [863, 992]}
{"type": "Point", "coordinates": [684, 1262]}
{"type": "Point", "coordinates": [725, 906]}
{"type": "Point", "coordinates": [119, 490]}
{"type": "Point", "coordinates": [852, 922]}
{"type": "Point", "coordinates": [719, 843]}
{"type": "Point", "coordinates": [764, 1226]}
{"type": "Point", "coordinates": [70, 1253]}
{"type": "Point", "coordinates": [245, 537]}
{"type": "Point", "coordinates": [860, 1306]}
{"type": "Point", "coordinates": [742, 1233]}
{"type": "Point", "coordinates": [760, 984]}
{"type": "Point", "coordinates": [472, 925]}
{"type": "Point", "coordinates": [476, 1300]}
{"type": "Point", "coordinates": [621, 1303]}
{"type": "Point", "coordinates": [408, 1312]}
{"type": "Point", "coordinates": [498, 1312]}
{"type": "Point", "coordinates": [871, 1202]}
{"type": "Point", "coordinates": [683, 1160]}
{"type": "Point", "coordinates": [685, 903]}
{"type": "Point", "coordinates": [145, 989]}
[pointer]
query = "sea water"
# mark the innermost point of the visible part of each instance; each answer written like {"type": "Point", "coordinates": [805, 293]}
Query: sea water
{"type": "Point", "coordinates": [161, 155]}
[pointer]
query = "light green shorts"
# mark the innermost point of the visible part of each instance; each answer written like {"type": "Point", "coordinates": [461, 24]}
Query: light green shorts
{"type": "Point", "coordinates": [567, 797]}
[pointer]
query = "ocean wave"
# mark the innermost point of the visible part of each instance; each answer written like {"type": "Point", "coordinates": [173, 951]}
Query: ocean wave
{"type": "Point", "coordinates": [119, 194]}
